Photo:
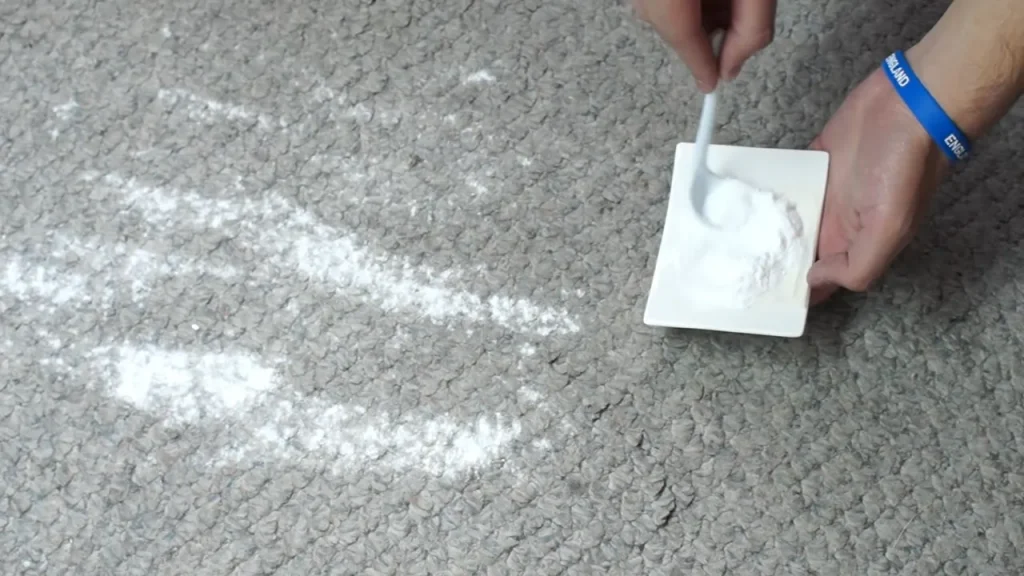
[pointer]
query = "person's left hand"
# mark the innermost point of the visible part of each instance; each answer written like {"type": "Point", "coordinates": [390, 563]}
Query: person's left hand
{"type": "Point", "coordinates": [883, 170]}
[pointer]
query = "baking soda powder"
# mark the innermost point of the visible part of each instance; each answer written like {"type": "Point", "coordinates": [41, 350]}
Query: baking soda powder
{"type": "Point", "coordinates": [759, 237]}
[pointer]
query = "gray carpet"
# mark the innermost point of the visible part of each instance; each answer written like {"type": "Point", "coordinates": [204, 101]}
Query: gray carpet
{"type": "Point", "coordinates": [356, 287]}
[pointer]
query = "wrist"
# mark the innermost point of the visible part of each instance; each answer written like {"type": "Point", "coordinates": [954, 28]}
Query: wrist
{"type": "Point", "coordinates": [886, 104]}
{"type": "Point", "coordinates": [975, 79]}
{"type": "Point", "coordinates": [955, 93]}
{"type": "Point", "coordinates": [931, 117]}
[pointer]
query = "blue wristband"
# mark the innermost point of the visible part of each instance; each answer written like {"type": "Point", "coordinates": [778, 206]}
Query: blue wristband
{"type": "Point", "coordinates": [953, 143]}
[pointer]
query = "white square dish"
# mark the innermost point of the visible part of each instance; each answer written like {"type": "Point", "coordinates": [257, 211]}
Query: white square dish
{"type": "Point", "coordinates": [800, 176]}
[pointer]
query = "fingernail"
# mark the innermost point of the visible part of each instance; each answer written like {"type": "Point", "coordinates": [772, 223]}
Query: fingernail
{"type": "Point", "coordinates": [732, 73]}
{"type": "Point", "coordinates": [704, 86]}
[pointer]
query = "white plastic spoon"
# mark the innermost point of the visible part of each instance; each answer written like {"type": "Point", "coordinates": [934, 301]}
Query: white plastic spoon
{"type": "Point", "coordinates": [703, 178]}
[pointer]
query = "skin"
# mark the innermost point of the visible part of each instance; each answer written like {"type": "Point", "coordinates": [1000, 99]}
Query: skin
{"type": "Point", "coordinates": [884, 167]}
{"type": "Point", "coordinates": [686, 25]}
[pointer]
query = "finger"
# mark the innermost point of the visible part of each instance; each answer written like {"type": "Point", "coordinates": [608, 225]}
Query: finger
{"type": "Point", "coordinates": [821, 277]}
{"type": "Point", "coordinates": [827, 271]}
{"type": "Point", "coordinates": [821, 294]}
{"type": "Point", "coordinates": [752, 28]}
{"type": "Point", "coordinates": [695, 50]}
{"type": "Point", "coordinates": [866, 260]}
{"type": "Point", "coordinates": [678, 22]}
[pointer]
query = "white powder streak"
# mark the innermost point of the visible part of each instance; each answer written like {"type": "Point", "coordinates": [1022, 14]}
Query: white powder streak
{"type": "Point", "coordinates": [209, 110]}
{"type": "Point", "coordinates": [114, 267]}
{"type": "Point", "coordinates": [347, 437]}
{"type": "Point", "coordinates": [531, 395]}
{"type": "Point", "coordinates": [291, 238]}
{"type": "Point", "coordinates": [139, 268]}
{"type": "Point", "coordinates": [237, 389]}
{"type": "Point", "coordinates": [477, 187]}
{"type": "Point", "coordinates": [66, 111]}
{"type": "Point", "coordinates": [143, 267]}
{"type": "Point", "coordinates": [480, 77]}
{"type": "Point", "coordinates": [359, 112]}
{"type": "Point", "coordinates": [186, 387]}
{"type": "Point", "coordinates": [27, 281]}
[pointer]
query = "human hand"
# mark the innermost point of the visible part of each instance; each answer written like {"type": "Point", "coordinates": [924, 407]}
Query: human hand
{"type": "Point", "coordinates": [883, 171]}
{"type": "Point", "coordinates": [687, 25]}
{"type": "Point", "coordinates": [884, 167]}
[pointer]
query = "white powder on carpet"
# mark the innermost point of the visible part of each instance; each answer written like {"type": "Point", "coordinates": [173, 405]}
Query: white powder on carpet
{"type": "Point", "coordinates": [25, 280]}
{"type": "Point", "coordinates": [290, 238]}
{"type": "Point", "coordinates": [348, 438]}
{"type": "Point", "coordinates": [210, 110]}
{"type": "Point", "coordinates": [111, 268]}
{"type": "Point", "coordinates": [188, 387]}
{"type": "Point", "coordinates": [66, 111]}
{"type": "Point", "coordinates": [759, 237]}
{"type": "Point", "coordinates": [268, 421]}
{"type": "Point", "coordinates": [480, 77]}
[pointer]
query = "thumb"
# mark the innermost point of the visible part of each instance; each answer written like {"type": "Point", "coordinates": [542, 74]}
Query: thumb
{"type": "Point", "coordinates": [829, 271]}
{"type": "Point", "coordinates": [863, 262]}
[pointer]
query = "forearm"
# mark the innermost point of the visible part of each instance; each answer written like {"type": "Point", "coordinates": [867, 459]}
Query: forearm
{"type": "Point", "coordinates": [972, 61]}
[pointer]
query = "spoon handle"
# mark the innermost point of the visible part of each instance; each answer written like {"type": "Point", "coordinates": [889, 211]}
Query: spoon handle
{"type": "Point", "coordinates": [706, 126]}
{"type": "Point", "coordinates": [705, 130]}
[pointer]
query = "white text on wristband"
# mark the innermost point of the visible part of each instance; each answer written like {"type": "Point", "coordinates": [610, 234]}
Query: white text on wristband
{"type": "Point", "coordinates": [950, 139]}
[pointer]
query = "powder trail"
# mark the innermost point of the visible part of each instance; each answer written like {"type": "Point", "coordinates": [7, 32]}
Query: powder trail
{"type": "Point", "coordinates": [270, 422]}
{"type": "Point", "coordinates": [291, 238]}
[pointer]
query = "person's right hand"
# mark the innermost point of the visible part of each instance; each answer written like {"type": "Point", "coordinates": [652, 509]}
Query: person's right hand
{"type": "Point", "coordinates": [687, 25]}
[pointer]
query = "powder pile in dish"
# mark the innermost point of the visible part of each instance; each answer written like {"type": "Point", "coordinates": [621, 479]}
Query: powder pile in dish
{"type": "Point", "coordinates": [757, 239]}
